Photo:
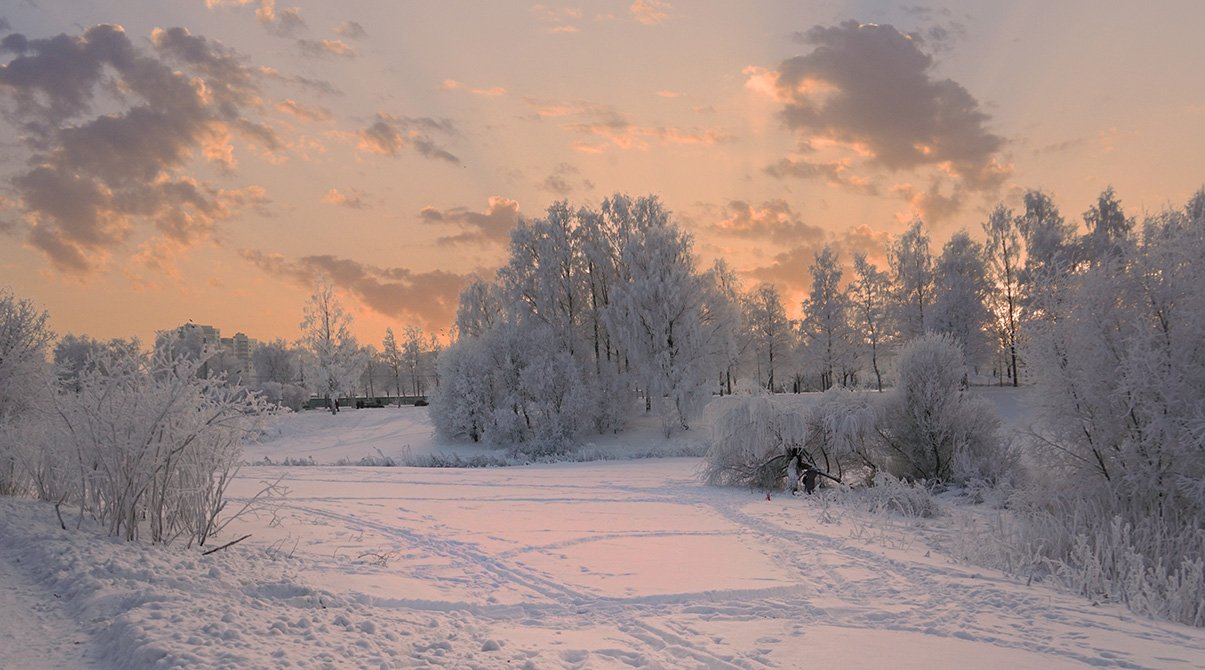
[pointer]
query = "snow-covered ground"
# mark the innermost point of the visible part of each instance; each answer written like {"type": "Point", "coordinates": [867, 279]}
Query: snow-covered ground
{"type": "Point", "coordinates": [571, 565]}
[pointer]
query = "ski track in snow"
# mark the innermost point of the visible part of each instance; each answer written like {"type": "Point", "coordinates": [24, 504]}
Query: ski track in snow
{"type": "Point", "coordinates": [836, 582]}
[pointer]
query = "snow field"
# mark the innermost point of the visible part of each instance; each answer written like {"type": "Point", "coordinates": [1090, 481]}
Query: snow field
{"type": "Point", "coordinates": [609, 564]}
{"type": "Point", "coordinates": [598, 565]}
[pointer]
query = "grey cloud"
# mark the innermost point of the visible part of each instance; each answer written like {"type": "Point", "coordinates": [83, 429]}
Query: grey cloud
{"type": "Point", "coordinates": [304, 112]}
{"type": "Point", "coordinates": [315, 85]}
{"type": "Point", "coordinates": [430, 297]}
{"type": "Point", "coordinates": [564, 180]}
{"type": "Point", "coordinates": [493, 226]}
{"type": "Point", "coordinates": [389, 136]}
{"type": "Point", "coordinates": [836, 174]}
{"type": "Point", "coordinates": [773, 221]}
{"type": "Point", "coordinates": [931, 204]}
{"type": "Point", "coordinates": [352, 199]}
{"type": "Point", "coordinates": [879, 93]}
{"type": "Point", "coordinates": [91, 178]}
{"type": "Point", "coordinates": [351, 30]}
{"type": "Point", "coordinates": [284, 23]}
{"type": "Point", "coordinates": [789, 269]}
{"type": "Point", "coordinates": [323, 48]}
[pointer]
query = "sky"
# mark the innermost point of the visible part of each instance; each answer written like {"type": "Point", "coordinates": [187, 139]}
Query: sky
{"type": "Point", "coordinates": [207, 160]}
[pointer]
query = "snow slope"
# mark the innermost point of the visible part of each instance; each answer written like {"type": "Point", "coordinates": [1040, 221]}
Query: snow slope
{"type": "Point", "coordinates": [610, 564]}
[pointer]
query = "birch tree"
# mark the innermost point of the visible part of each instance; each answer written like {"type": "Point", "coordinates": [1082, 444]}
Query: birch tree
{"type": "Point", "coordinates": [825, 324]}
{"type": "Point", "coordinates": [334, 362]}
{"type": "Point", "coordinates": [869, 295]}
{"type": "Point", "coordinates": [1004, 254]}
{"type": "Point", "coordinates": [769, 331]}
{"type": "Point", "coordinates": [912, 280]}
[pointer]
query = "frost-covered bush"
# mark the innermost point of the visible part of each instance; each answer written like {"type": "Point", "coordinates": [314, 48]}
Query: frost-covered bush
{"type": "Point", "coordinates": [909, 499]}
{"type": "Point", "coordinates": [754, 438]}
{"type": "Point", "coordinates": [931, 426]}
{"type": "Point", "coordinates": [280, 394]}
{"type": "Point", "coordinates": [146, 446]}
{"type": "Point", "coordinates": [511, 389]}
{"type": "Point", "coordinates": [750, 441]}
{"type": "Point", "coordinates": [842, 432]}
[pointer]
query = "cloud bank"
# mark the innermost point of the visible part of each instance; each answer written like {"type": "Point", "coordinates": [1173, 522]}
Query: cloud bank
{"type": "Point", "coordinates": [91, 178]}
{"type": "Point", "coordinates": [869, 93]}
{"type": "Point", "coordinates": [493, 226]}
{"type": "Point", "coordinates": [427, 297]}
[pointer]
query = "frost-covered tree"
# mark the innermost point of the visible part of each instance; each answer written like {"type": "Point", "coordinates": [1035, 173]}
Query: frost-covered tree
{"type": "Point", "coordinates": [24, 376]}
{"type": "Point", "coordinates": [656, 313]}
{"type": "Point", "coordinates": [370, 370]}
{"type": "Point", "coordinates": [912, 281]}
{"type": "Point", "coordinates": [826, 322]}
{"type": "Point", "coordinates": [463, 405]}
{"type": "Point", "coordinates": [412, 358]}
{"type": "Point", "coordinates": [1004, 254]}
{"type": "Point", "coordinates": [725, 321]}
{"type": "Point", "coordinates": [758, 439]}
{"type": "Point", "coordinates": [590, 305]}
{"type": "Point", "coordinates": [72, 353]}
{"type": "Point", "coordinates": [752, 437]}
{"type": "Point", "coordinates": [479, 308]}
{"type": "Point", "coordinates": [545, 276]}
{"type": "Point", "coordinates": [869, 296]}
{"type": "Point", "coordinates": [1108, 230]}
{"type": "Point", "coordinates": [276, 361]}
{"type": "Point", "coordinates": [769, 333]}
{"type": "Point", "coordinates": [1121, 393]}
{"type": "Point", "coordinates": [960, 292]}
{"type": "Point", "coordinates": [277, 372]}
{"type": "Point", "coordinates": [394, 361]}
{"type": "Point", "coordinates": [596, 239]}
{"type": "Point", "coordinates": [334, 362]}
{"type": "Point", "coordinates": [1049, 252]}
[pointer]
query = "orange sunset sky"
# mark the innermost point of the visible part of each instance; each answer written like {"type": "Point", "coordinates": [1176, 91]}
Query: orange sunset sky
{"type": "Point", "coordinates": [207, 159]}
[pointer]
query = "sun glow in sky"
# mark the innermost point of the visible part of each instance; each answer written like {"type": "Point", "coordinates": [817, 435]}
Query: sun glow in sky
{"type": "Point", "coordinates": [206, 160]}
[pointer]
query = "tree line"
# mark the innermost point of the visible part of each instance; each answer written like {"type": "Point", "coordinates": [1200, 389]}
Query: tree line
{"type": "Point", "coordinates": [595, 306]}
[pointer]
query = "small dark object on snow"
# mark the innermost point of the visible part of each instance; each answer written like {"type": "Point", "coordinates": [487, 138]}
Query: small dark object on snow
{"type": "Point", "coordinates": [421, 402]}
{"type": "Point", "coordinates": [809, 479]}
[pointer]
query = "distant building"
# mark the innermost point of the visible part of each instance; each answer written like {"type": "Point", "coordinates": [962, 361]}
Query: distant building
{"type": "Point", "coordinates": [229, 354]}
{"type": "Point", "coordinates": [241, 347]}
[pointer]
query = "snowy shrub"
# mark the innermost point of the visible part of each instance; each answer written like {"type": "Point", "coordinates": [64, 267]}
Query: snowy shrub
{"type": "Point", "coordinates": [841, 431]}
{"type": "Point", "coordinates": [151, 446]}
{"type": "Point", "coordinates": [750, 439]}
{"type": "Point", "coordinates": [898, 497]}
{"type": "Point", "coordinates": [507, 389]}
{"type": "Point", "coordinates": [755, 437]}
{"type": "Point", "coordinates": [931, 426]}
{"type": "Point", "coordinates": [280, 394]}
